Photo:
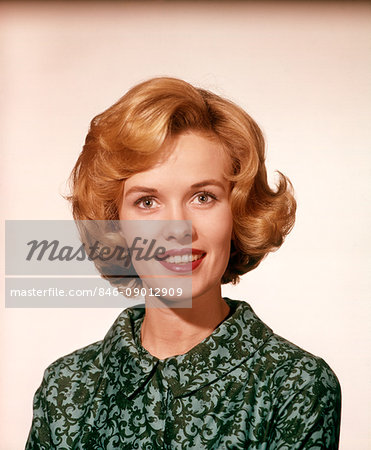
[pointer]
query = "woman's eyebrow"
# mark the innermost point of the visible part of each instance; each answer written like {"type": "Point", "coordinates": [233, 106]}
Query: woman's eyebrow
{"type": "Point", "coordinates": [210, 182]}
{"type": "Point", "coordinates": [146, 189]}
{"type": "Point", "coordinates": [150, 190]}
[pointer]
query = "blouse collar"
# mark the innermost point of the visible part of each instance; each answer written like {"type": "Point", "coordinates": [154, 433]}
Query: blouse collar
{"type": "Point", "coordinates": [129, 366]}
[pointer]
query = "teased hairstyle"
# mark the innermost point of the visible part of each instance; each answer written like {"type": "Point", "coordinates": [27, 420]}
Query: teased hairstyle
{"type": "Point", "coordinates": [129, 137]}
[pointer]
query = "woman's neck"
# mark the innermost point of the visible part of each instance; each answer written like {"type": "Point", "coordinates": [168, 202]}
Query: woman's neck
{"type": "Point", "coordinates": [168, 332]}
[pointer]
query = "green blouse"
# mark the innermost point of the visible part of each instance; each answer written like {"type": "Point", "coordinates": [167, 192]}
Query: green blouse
{"type": "Point", "coordinates": [242, 387]}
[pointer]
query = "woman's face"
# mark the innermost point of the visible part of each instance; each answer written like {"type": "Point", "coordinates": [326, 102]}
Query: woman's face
{"type": "Point", "coordinates": [188, 186]}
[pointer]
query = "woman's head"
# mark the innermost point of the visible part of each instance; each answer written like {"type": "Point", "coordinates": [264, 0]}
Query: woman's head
{"type": "Point", "coordinates": [183, 205]}
{"type": "Point", "coordinates": [137, 133]}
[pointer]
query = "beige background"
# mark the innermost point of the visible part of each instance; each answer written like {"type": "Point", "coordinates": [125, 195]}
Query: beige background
{"type": "Point", "coordinates": [302, 70]}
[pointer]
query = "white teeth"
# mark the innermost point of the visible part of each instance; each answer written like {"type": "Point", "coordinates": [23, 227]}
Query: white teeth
{"type": "Point", "coordinates": [177, 259]}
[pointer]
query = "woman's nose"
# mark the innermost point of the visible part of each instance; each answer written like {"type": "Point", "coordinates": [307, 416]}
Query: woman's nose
{"type": "Point", "coordinates": [178, 230]}
{"type": "Point", "coordinates": [176, 226]}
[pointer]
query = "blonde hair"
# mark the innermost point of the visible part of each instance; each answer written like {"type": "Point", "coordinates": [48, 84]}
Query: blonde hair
{"type": "Point", "coordinates": [129, 137]}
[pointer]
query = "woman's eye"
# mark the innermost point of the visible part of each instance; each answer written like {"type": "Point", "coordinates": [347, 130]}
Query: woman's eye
{"type": "Point", "coordinates": [204, 198]}
{"type": "Point", "coordinates": [145, 203]}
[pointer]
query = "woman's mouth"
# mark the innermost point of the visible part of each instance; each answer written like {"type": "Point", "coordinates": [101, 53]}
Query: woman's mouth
{"type": "Point", "coordinates": [182, 260]}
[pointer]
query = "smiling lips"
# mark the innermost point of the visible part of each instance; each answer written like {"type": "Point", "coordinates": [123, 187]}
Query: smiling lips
{"type": "Point", "coordinates": [182, 260]}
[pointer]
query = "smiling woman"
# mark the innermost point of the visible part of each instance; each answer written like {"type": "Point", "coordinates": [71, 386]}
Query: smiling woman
{"type": "Point", "coordinates": [187, 167]}
{"type": "Point", "coordinates": [190, 186]}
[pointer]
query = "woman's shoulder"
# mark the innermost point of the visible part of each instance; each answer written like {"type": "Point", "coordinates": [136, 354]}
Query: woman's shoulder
{"type": "Point", "coordinates": [86, 363]}
{"type": "Point", "coordinates": [296, 389]}
{"type": "Point", "coordinates": [75, 374]}
{"type": "Point", "coordinates": [294, 368]}
{"type": "Point", "coordinates": [286, 364]}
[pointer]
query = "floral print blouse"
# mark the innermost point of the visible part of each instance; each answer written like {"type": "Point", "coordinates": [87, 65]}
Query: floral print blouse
{"type": "Point", "coordinates": [242, 387]}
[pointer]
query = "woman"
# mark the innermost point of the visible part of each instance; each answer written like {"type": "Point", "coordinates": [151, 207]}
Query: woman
{"type": "Point", "coordinates": [209, 375]}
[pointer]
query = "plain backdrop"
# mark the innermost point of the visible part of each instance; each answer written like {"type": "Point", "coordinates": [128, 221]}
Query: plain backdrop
{"type": "Point", "coordinates": [302, 70]}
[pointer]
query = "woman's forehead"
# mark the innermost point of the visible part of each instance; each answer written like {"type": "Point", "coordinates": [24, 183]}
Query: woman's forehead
{"type": "Point", "coordinates": [190, 157]}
